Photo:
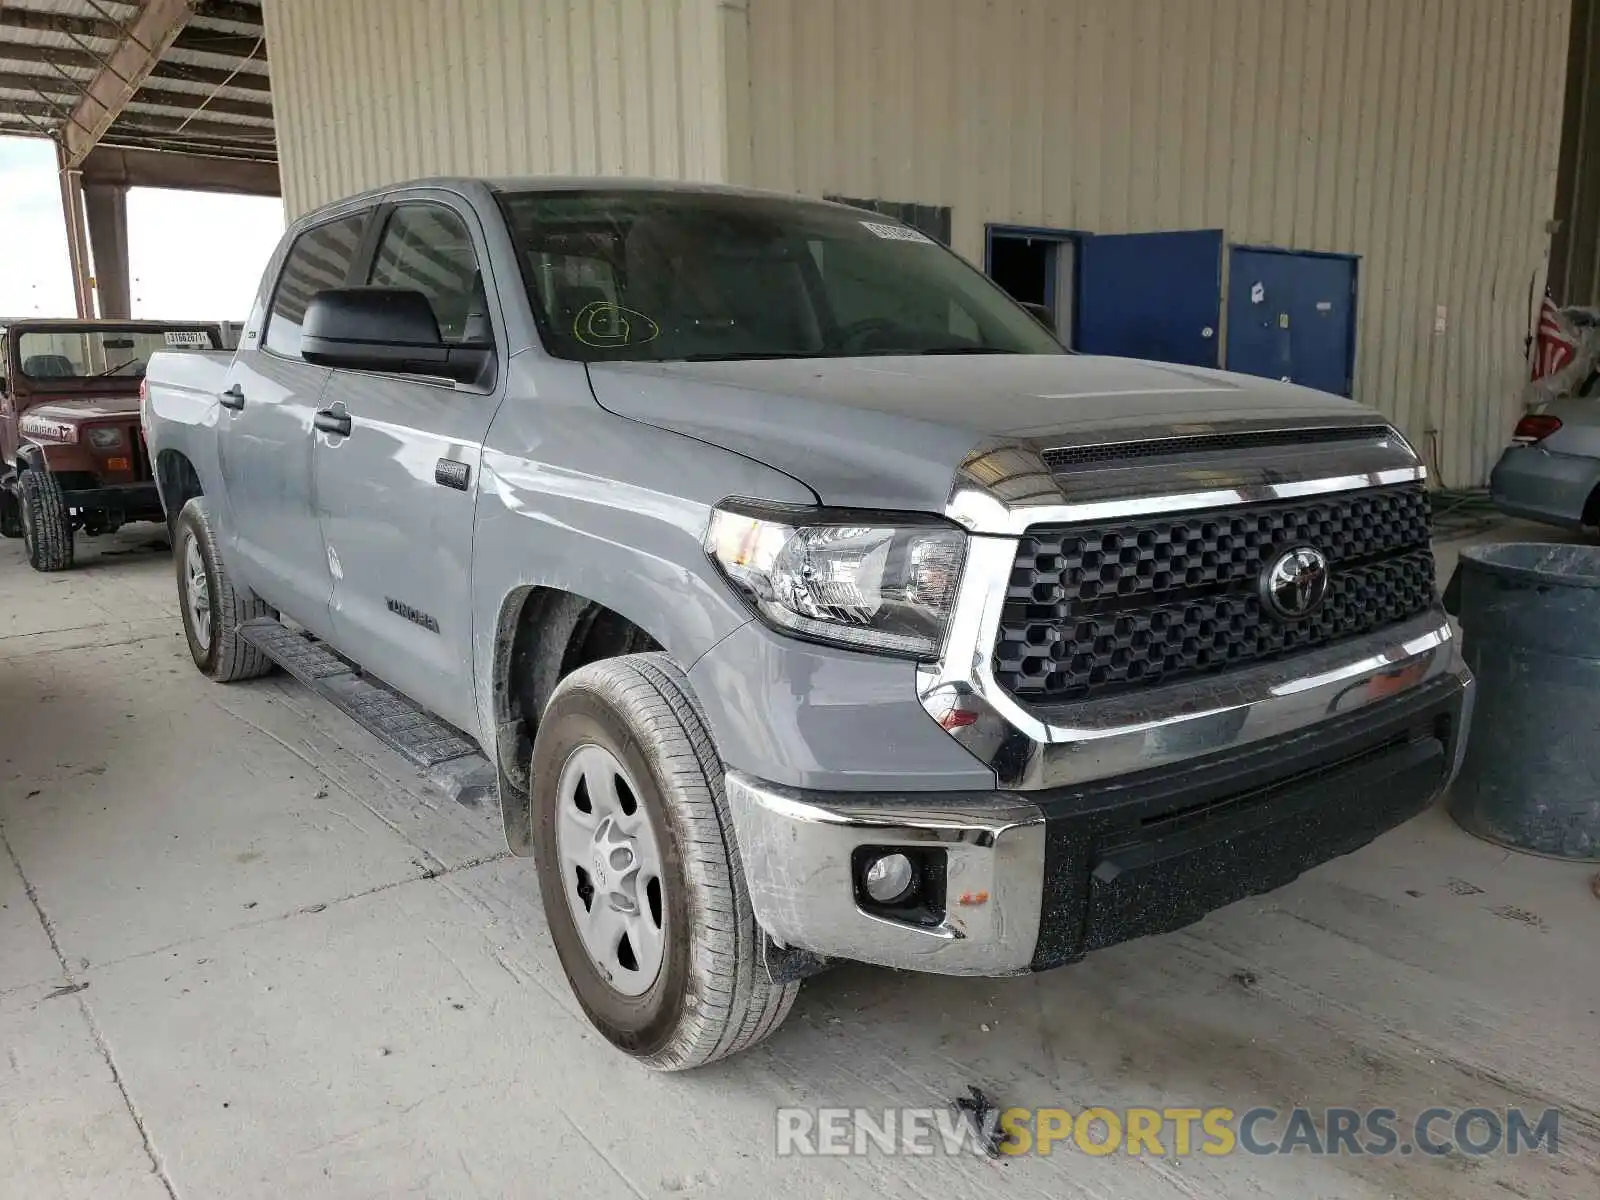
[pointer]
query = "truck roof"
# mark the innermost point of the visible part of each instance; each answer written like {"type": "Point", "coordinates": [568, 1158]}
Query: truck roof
{"type": "Point", "coordinates": [91, 323]}
{"type": "Point", "coordinates": [462, 184]}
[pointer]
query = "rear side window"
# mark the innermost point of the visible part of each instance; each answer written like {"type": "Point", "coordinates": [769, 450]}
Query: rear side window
{"type": "Point", "coordinates": [320, 258]}
{"type": "Point", "coordinates": [426, 248]}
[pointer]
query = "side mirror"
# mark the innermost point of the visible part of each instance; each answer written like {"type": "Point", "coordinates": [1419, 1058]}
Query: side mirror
{"type": "Point", "coordinates": [384, 329]}
{"type": "Point", "coordinates": [1040, 313]}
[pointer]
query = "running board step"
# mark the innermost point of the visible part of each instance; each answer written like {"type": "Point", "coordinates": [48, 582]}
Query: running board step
{"type": "Point", "coordinates": [452, 763]}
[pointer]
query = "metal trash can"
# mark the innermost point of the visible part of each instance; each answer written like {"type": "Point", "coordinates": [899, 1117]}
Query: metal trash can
{"type": "Point", "coordinates": [1530, 613]}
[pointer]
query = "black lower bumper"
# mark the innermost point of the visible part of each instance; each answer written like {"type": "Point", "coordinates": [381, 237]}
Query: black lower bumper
{"type": "Point", "coordinates": [1152, 852]}
{"type": "Point", "coordinates": [130, 498]}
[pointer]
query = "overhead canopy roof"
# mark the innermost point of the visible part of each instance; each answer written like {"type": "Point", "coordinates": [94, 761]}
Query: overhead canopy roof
{"type": "Point", "coordinates": [113, 80]}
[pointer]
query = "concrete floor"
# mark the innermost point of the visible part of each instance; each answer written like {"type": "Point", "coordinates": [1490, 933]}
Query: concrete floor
{"type": "Point", "coordinates": [244, 953]}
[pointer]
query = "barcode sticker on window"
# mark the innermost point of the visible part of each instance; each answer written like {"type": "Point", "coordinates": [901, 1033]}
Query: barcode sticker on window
{"type": "Point", "coordinates": [188, 339]}
{"type": "Point", "coordinates": [896, 233]}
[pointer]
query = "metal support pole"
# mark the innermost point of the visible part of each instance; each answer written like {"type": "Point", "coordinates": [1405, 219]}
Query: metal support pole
{"type": "Point", "coordinates": [77, 239]}
{"type": "Point", "coordinates": [106, 207]}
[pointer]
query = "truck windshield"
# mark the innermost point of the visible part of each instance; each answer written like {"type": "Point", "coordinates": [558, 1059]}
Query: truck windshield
{"type": "Point", "coordinates": [641, 276]}
{"type": "Point", "coordinates": [101, 353]}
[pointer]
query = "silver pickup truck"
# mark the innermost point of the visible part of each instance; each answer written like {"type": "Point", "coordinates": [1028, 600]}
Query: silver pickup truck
{"type": "Point", "coordinates": [801, 596]}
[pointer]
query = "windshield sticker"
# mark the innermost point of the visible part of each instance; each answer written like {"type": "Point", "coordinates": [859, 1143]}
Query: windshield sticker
{"type": "Point", "coordinates": [897, 233]}
{"type": "Point", "coordinates": [607, 325]}
{"type": "Point", "coordinates": [189, 339]}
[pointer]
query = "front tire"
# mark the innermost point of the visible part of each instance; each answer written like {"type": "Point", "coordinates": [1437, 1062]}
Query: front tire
{"type": "Point", "coordinates": [46, 523]}
{"type": "Point", "coordinates": [634, 843]}
{"type": "Point", "coordinates": [213, 607]}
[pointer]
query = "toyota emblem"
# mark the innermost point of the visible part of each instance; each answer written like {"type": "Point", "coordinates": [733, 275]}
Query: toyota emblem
{"type": "Point", "coordinates": [1296, 583]}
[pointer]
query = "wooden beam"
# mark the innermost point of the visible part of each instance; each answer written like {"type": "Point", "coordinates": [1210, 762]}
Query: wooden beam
{"type": "Point", "coordinates": [247, 79]}
{"type": "Point", "coordinates": [127, 66]}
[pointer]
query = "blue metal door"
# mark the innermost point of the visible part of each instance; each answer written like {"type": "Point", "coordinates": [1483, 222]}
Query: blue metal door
{"type": "Point", "coordinates": [1151, 295]}
{"type": "Point", "coordinates": [1291, 316]}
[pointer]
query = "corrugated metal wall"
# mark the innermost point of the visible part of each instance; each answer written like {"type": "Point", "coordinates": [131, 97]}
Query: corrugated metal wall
{"type": "Point", "coordinates": [373, 91]}
{"type": "Point", "coordinates": [1422, 135]}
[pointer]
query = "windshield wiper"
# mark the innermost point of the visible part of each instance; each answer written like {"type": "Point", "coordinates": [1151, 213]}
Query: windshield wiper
{"type": "Point", "coordinates": [118, 367]}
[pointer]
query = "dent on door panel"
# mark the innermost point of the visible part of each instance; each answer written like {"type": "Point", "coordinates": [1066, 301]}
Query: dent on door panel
{"type": "Point", "coordinates": [401, 542]}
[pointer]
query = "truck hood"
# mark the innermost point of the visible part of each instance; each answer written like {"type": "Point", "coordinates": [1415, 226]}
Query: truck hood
{"type": "Point", "coordinates": [891, 432]}
{"type": "Point", "coordinates": [84, 408]}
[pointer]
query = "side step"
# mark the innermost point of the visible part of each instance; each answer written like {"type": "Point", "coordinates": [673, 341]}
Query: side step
{"type": "Point", "coordinates": [451, 762]}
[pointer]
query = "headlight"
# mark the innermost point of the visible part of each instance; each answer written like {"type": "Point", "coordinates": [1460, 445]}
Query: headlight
{"type": "Point", "coordinates": [105, 439]}
{"type": "Point", "coordinates": [846, 578]}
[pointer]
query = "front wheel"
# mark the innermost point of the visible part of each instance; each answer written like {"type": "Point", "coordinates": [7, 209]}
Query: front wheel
{"type": "Point", "coordinates": [213, 607]}
{"type": "Point", "coordinates": [639, 870]}
{"type": "Point", "coordinates": [46, 523]}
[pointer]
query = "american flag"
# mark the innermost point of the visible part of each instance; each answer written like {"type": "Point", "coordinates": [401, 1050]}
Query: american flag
{"type": "Point", "coordinates": [1553, 346]}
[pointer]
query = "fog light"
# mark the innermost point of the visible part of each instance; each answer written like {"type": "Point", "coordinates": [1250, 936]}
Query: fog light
{"type": "Point", "coordinates": [890, 879]}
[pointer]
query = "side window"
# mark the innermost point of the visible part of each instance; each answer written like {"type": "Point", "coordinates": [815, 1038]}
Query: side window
{"type": "Point", "coordinates": [426, 248]}
{"type": "Point", "coordinates": [320, 258]}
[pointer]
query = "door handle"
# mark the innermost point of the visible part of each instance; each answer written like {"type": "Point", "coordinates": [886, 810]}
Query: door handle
{"type": "Point", "coordinates": [332, 422]}
{"type": "Point", "coordinates": [232, 398]}
{"type": "Point", "coordinates": [452, 473]}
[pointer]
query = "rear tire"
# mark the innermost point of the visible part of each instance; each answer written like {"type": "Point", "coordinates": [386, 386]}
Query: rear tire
{"type": "Point", "coordinates": [10, 513]}
{"type": "Point", "coordinates": [710, 996]}
{"type": "Point", "coordinates": [213, 607]}
{"type": "Point", "coordinates": [46, 523]}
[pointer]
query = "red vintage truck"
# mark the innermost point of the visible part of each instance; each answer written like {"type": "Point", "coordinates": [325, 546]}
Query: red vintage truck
{"type": "Point", "coordinates": [72, 458]}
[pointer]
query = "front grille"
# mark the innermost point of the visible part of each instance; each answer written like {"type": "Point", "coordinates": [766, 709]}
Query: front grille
{"type": "Point", "coordinates": [1093, 609]}
{"type": "Point", "coordinates": [1061, 457]}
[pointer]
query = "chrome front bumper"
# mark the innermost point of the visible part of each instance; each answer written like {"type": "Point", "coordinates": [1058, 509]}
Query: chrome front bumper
{"type": "Point", "coordinates": [798, 848]}
{"type": "Point", "coordinates": [1034, 879]}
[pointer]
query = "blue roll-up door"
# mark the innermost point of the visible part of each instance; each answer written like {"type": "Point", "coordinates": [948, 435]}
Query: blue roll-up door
{"type": "Point", "coordinates": [1151, 295]}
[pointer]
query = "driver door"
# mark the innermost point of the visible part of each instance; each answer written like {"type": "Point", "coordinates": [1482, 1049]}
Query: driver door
{"type": "Point", "coordinates": [396, 493]}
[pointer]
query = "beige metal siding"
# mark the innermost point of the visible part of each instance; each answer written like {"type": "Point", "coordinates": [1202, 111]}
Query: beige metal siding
{"type": "Point", "coordinates": [369, 92]}
{"type": "Point", "coordinates": [1421, 135]}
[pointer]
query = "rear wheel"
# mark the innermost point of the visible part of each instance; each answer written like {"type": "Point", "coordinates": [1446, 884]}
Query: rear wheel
{"type": "Point", "coordinates": [46, 523]}
{"type": "Point", "coordinates": [213, 607]}
{"type": "Point", "coordinates": [639, 871]}
{"type": "Point", "coordinates": [10, 513]}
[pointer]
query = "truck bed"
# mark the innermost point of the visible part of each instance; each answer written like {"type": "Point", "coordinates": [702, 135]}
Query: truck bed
{"type": "Point", "coordinates": [180, 408]}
